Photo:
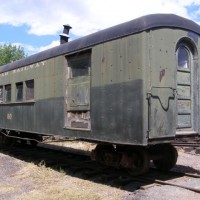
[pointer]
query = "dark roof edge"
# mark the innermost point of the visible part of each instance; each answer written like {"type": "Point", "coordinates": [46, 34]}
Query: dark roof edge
{"type": "Point", "coordinates": [134, 26]}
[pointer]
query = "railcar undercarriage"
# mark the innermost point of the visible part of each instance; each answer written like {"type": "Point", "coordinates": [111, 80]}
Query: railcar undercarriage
{"type": "Point", "coordinates": [10, 137]}
{"type": "Point", "coordinates": [136, 159]}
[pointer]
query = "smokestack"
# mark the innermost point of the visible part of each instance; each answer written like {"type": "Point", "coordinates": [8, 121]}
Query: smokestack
{"type": "Point", "coordinates": [64, 37]}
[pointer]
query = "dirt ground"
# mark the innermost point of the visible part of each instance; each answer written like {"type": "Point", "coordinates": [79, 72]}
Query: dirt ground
{"type": "Point", "coordinates": [22, 180]}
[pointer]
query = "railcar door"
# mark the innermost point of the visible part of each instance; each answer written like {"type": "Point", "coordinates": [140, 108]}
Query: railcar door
{"type": "Point", "coordinates": [187, 92]}
{"type": "Point", "coordinates": [162, 112]}
{"type": "Point", "coordinates": [162, 92]}
{"type": "Point", "coordinates": [78, 91]}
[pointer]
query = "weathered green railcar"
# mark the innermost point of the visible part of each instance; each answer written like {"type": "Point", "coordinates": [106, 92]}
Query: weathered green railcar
{"type": "Point", "coordinates": [134, 85]}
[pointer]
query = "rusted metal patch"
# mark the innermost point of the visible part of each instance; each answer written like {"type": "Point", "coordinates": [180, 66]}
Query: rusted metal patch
{"type": "Point", "coordinates": [162, 74]}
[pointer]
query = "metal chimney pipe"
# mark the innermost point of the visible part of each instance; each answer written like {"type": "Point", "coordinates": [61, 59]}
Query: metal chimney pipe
{"type": "Point", "coordinates": [64, 37]}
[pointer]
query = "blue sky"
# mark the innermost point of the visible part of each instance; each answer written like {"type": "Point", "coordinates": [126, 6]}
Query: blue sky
{"type": "Point", "coordinates": [36, 24]}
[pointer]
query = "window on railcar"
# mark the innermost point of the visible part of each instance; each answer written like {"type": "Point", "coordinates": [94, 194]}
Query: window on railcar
{"type": "Point", "coordinates": [8, 93]}
{"type": "Point", "coordinates": [183, 57]}
{"type": "Point", "coordinates": [79, 81]}
{"type": "Point", "coordinates": [1, 94]}
{"type": "Point", "coordinates": [29, 90]}
{"type": "Point", "coordinates": [19, 91]}
{"type": "Point", "coordinates": [79, 64]}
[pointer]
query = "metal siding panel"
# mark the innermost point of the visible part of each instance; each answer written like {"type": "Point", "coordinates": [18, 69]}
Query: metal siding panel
{"type": "Point", "coordinates": [44, 116]}
{"type": "Point", "coordinates": [117, 112]}
{"type": "Point", "coordinates": [117, 61]}
{"type": "Point", "coordinates": [117, 91]}
{"type": "Point", "coordinates": [162, 45]}
{"type": "Point", "coordinates": [59, 85]}
{"type": "Point", "coordinates": [29, 119]}
{"type": "Point", "coordinates": [59, 63]}
{"type": "Point", "coordinates": [97, 65]}
{"type": "Point", "coordinates": [52, 115]}
{"type": "Point", "coordinates": [50, 69]}
{"type": "Point", "coordinates": [163, 70]}
{"type": "Point", "coordinates": [108, 54]}
{"type": "Point", "coordinates": [17, 116]}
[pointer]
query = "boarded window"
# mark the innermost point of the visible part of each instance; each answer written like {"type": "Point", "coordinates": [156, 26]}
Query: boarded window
{"type": "Point", "coordinates": [30, 90]}
{"type": "Point", "coordinates": [79, 64]}
{"type": "Point", "coordinates": [19, 91]}
{"type": "Point", "coordinates": [79, 93]}
{"type": "Point", "coordinates": [1, 94]}
{"type": "Point", "coordinates": [8, 93]}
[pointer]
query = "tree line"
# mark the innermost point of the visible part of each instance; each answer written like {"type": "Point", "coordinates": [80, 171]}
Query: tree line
{"type": "Point", "coordinates": [10, 53]}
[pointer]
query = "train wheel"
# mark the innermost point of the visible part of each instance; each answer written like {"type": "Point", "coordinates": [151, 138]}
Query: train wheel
{"type": "Point", "coordinates": [1, 138]}
{"type": "Point", "coordinates": [103, 153]}
{"type": "Point", "coordinates": [168, 157]}
{"type": "Point", "coordinates": [33, 143]}
{"type": "Point", "coordinates": [7, 141]}
{"type": "Point", "coordinates": [35, 139]}
{"type": "Point", "coordinates": [23, 142]}
{"type": "Point", "coordinates": [140, 161]}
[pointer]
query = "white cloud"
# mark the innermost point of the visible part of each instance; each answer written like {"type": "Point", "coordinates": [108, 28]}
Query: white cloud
{"type": "Point", "coordinates": [43, 17]}
{"type": "Point", "coordinates": [46, 17]}
{"type": "Point", "coordinates": [29, 49]}
{"type": "Point", "coordinates": [53, 44]}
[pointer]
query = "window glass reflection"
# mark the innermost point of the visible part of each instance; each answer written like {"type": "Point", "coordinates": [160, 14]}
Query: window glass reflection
{"type": "Point", "coordinates": [183, 57]}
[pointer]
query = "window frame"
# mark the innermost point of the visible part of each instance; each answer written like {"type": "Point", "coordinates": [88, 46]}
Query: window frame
{"type": "Point", "coordinates": [22, 91]}
{"type": "Point", "coordinates": [1, 94]}
{"type": "Point", "coordinates": [6, 99]}
{"type": "Point", "coordinates": [188, 51]}
{"type": "Point", "coordinates": [29, 91]}
{"type": "Point", "coordinates": [73, 60]}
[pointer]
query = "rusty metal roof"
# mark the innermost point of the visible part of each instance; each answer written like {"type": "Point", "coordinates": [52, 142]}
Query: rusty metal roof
{"type": "Point", "coordinates": [144, 23]}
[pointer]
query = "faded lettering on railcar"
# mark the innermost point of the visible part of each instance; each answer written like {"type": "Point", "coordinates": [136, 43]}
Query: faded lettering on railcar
{"type": "Point", "coordinates": [25, 68]}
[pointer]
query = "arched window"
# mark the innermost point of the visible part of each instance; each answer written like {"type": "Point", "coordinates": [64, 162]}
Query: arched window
{"type": "Point", "coordinates": [183, 57]}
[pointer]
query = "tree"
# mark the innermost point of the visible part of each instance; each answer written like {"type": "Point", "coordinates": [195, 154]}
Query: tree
{"type": "Point", "coordinates": [10, 53]}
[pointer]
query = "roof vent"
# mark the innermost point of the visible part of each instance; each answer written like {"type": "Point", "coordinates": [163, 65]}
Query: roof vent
{"type": "Point", "coordinates": [64, 37]}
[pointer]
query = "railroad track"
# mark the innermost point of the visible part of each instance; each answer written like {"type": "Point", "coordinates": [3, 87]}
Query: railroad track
{"type": "Point", "coordinates": [187, 142]}
{"type": "Point", "coordinates": [83, 167]}
{"type": "Point", "coordinates": [171, 178]}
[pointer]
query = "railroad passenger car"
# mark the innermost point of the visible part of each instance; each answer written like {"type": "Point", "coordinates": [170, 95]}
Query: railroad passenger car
{"type": "Point", "coordinates": [131, 88]}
